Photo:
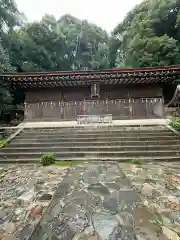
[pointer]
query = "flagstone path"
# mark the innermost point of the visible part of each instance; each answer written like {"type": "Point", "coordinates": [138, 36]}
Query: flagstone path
{"type": "Point", "coordinates": [98, 202]}
{"type": "Point", "coordinates": [92, 201]}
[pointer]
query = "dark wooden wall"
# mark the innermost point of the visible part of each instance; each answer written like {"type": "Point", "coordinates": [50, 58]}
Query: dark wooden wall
{"type": "Point", "coordinates": [106, 91]}
{"type": "Point", "coordinates": [123, 102]}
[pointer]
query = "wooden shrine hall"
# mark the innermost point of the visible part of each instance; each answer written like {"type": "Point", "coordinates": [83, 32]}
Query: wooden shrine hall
{"type": "Point", "coordinates": [123, 93]}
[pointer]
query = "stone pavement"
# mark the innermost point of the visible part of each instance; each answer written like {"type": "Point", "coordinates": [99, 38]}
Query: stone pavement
{"type": "Point", "coordinates": [158, 184]}
{"type": "Point", "coordinates": [25, 193]}
{"type": "Point", "coordinates": [98, 202]}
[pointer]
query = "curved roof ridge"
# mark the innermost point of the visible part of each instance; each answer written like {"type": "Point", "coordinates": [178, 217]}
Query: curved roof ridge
{"type": "Point", "coordinates": [86, 72]}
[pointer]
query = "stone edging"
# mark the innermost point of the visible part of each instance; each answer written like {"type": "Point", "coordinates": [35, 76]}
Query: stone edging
{"type": "Point", "coordinates": [173, 130]}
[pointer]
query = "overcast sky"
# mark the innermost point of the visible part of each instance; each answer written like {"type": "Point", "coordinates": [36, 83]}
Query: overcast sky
{"type": "Point", "coordinates": [104, 13]}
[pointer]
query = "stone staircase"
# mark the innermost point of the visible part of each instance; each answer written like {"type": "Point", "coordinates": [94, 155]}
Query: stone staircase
{"type": "Point", "coordinates": [94, 143]}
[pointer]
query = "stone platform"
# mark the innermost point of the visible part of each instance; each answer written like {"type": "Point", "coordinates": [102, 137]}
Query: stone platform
{"type": "Point", "coordinates": [133, 122]}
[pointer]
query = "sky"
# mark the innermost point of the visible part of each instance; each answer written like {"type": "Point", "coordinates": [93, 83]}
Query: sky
{"type": "Point", "coordinates": [104, 13]}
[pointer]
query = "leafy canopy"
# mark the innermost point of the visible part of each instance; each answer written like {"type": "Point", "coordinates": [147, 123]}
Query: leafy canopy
{"type": "Point", "coordinates": [149, 35]}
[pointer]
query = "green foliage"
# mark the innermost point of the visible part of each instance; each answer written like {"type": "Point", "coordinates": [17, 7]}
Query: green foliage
{"type": "Point", "coordinates": [5, 96]}
{"type": "Point", "coordinates": [9, 14]}
{"type": "Point", "coordinates": [3, 143]}
{"type": "Point", "coordinates": [175, 124]}
{"type": "Point", "coordinates": [134, 161]}
{"type": "Point", "coordinates": [64, 44]}
{"type": "Point", "coordinates": [48, 159]}
{"type": "Point", "coordinates": [9, 18]}
{"type": "Point", "coordinates": [149, 35]}
{"type": "Point", "coordinates": [47, 45]}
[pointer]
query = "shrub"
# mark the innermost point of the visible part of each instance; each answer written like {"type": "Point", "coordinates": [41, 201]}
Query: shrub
{"type": "Point", "coordinates": [175, 124]}
{"type": "Point", "coordinates": [48, 159]}
{"type": "Point", "coordinates": [3, 143]}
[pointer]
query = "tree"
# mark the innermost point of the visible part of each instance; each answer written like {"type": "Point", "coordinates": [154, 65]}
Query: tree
{"type": "Point", "coordinates": [149, 35]}
{"type": "Point", "coordinates": [53, 45]}
{"type": "Point", "coordinates": [64, 44]}
{"type": "Point", "coordinates": [9, 18]}
{"type": "Point", "coordinates": [5, 96]}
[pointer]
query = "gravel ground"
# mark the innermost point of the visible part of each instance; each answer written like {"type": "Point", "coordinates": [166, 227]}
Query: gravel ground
{"type": "Point", "coordinates": [159, 187]}
{"type": "Point", "coordinates": [25, 192]}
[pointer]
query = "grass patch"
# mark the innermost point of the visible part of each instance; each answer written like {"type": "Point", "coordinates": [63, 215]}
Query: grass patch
{"type": "Point", "coordinates": [133, 161]}
{"type": "Point", "coordinates": [67, 163]}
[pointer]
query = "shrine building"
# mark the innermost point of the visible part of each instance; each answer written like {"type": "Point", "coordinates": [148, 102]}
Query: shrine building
{"type": "Point", "coordinates": [123, 93]}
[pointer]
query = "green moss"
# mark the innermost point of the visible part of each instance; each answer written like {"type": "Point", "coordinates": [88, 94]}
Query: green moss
{"type": "Point", "coordinates": [3, 143]}
{"type": "Point", "coordinates": [67, 163]}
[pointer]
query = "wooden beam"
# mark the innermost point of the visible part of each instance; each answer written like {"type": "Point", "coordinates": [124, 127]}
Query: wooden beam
{"type": "Point", "coordinates": [64, 82]}
{"type": "Point", "coordinates": [73, 83]}
{"type": "Point", "coordinates": [85, 78]}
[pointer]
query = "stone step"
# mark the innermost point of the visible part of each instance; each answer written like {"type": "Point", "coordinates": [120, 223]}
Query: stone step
{"type": "Point", "coordinates": [167, 158]}
{"type": "Point", "coordinates": [40, 144]}
{"type": "Point", "coordinates": [95, 148]}
{"type": "Point", "coordinates": [86, 138]}
{"type": "Point", "coordinates": [100, 127]}
{"type": "Point", "coordinates": [98, 130]}
{"type": "Point", "coordinates": [92, 134]}
{"type": "Point", "coordinates": [97, 154]}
